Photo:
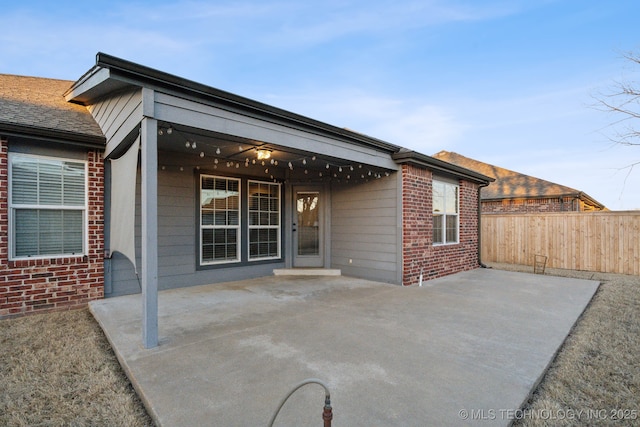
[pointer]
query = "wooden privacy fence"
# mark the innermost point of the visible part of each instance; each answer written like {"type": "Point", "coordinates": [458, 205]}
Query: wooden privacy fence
{"type": "Point", "coordinates": [593, 241]}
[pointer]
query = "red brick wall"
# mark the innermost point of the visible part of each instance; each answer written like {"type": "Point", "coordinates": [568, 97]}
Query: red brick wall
{"type": "Point", "coordinates": [557, 204]}
{"type": "Point", "coordinates": [38, 285]}
{"type": "Point", "coordinates": [418, 252]}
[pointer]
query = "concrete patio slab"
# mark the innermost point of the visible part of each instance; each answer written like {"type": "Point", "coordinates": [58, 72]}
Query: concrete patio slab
{"type": "Point", "coordinates": [466, 349]}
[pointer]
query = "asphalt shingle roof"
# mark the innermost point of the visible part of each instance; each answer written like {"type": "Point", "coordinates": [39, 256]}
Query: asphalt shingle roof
{"type": "Point", "coordinates": [508, 184]}
{"type": "Point", "coordinates": [38, 104]}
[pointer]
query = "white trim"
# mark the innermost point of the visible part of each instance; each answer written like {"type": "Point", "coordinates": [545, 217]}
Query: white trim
{"type": "Point", "coordinates": [12, 207]}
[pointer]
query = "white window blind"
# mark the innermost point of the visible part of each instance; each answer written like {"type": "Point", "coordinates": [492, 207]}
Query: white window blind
{"type": "Point", "coordinates": [48, 205]}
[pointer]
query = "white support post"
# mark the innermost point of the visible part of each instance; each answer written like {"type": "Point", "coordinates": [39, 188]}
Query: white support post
{"type": "Point", "coordinates": [149, 270]}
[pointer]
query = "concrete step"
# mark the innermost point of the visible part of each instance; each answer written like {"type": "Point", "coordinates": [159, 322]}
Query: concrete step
{"type": "Point", "coordinates": [306, 272]}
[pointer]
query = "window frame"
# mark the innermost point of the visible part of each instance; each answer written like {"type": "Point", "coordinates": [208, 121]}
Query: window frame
{"type": "Point", "coordinates": [278, 227]}
{"type": "Point", "coordinates": [13, 207]}
{"type": "Point", "coordinates": [237, 227]}
{"type": "Point", "coordinates": [446, 214]}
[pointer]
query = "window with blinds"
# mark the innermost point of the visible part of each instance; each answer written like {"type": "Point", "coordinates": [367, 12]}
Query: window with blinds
{"type": "Point", "coordinates": [445, 212]}
{"type": "Point", "coordinates": [219, 219]}
{"type": "Point", "coordinates": [47, 206]}
{"type": "Point", "coordinates": [264, 220]}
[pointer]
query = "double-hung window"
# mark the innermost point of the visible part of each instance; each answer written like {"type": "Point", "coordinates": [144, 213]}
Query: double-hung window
{"type": "Point", "coordinates": [219, 219]}
{"type": "Point", "coordinates": [47, 206]}
{"type": "Point", "coordinates": [445, 212]}
{"type": "Point", "coordinates": [264, 220]}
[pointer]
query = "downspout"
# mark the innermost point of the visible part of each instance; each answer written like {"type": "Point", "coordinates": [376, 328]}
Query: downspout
{"type": "Point", "coordinates": [480, 187]}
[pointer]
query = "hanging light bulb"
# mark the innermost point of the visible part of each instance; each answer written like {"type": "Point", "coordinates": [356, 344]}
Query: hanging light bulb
{"type": "Point", "coordinates": [160, 132]}
{"type": "Point", "coordinates": [201, 154]}
{"type": "Point", "coordinates": [215, 161]}
{"type": "Point", "coordinates": [340, 169]}
{"type": "Point", "coordinates": [193, 145]}
{"type": "Point", "coordinates": [290, 166]}
{"type": "Point", "coordinates": [169, 130]}
{"type": "Point", "coordinates": [187, 144]}
{"type": "Point", "coordinates": [218, 150]}
{"type": "Point", "coordinates": [327, 165]}
{"type": "Point", "coordinates": [313, 158]}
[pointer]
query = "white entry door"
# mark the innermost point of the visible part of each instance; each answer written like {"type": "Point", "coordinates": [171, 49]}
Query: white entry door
{"type": "Point", "coordinates": [308, 228]}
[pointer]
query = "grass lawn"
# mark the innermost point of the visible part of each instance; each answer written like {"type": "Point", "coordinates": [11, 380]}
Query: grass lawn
{"type": "Point", "coordinates": [58, 368]}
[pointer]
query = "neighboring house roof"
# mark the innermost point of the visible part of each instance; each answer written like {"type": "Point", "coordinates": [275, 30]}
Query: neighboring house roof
{"type": "Point", "coordinates": [36, 107]}
{"type": "Point", "coordinates": [514, 185]}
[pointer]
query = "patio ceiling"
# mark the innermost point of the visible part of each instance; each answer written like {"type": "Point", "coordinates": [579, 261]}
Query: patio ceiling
{"type": "Point", "coordinates": [213, 150]}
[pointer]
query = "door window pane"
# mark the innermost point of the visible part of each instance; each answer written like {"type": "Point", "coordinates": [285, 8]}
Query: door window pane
{"type": "Point", "coordinates": [308, 223]}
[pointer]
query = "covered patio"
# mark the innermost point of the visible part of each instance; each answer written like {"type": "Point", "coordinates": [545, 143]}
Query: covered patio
{"type": "Point", "coordinates": [463, 349]}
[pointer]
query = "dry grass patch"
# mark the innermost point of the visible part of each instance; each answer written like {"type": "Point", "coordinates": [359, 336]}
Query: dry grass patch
{"type": "Point", "coordinates": [595, 378]}
{"type": "Point", "coordinates": [58, 369]}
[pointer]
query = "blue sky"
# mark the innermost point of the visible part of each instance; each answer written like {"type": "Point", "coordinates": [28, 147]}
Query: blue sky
{"type": "Point", "coordinates": [507, 82]}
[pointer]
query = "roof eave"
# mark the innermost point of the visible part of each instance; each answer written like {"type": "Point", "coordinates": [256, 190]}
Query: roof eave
{"type": "Point", "coordinates": [63, 137]}
{"type": "Point", "coordinates": [111, 73]}
{"type": "Point", "coordinates": [419, 159]}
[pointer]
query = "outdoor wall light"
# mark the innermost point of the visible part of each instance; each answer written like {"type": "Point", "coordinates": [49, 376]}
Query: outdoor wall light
{"type": "Point", "coordinates": [263, 154]}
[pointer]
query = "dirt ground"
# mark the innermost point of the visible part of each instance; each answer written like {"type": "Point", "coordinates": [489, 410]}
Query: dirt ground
{"type": "Point", "coordinates": [58, 368]}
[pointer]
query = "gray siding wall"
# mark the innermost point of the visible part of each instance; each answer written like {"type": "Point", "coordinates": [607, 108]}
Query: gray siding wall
{"type": "Point", "coordinates": [117, 116]}
{"type": "Point", "coordinates": [177, 237]}
{"type": "Point", "coordinates": [366, 229]}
